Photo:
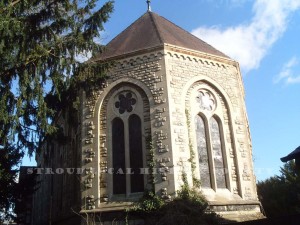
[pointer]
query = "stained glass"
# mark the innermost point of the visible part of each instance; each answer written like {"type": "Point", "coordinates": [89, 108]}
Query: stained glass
{"type": "Point", "coordinates": [217, 153]}
{"type": "Point", "coordinates": [202, 153]}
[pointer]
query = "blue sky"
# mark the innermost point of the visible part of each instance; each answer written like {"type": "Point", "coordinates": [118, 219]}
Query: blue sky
{"type": "Point", "coordinates": [263, 36]}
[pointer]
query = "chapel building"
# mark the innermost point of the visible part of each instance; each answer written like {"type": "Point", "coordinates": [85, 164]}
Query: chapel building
{"type": "Point", "coordinates": [168, 93]}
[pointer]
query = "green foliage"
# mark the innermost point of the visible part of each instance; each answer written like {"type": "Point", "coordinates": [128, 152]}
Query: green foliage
{"type": "Point", "coordinates": [196, 182]}
{"type": "Point", "coordinates": [23, 193]}
{"type": "Point", "coordinates": [9, 158]}
{"type": "Point", "coordinates": [41, 43]}
{"type": "Point", "coordinates": [149, 203]}
{"type": "Point", "coordinates": [189, 207]}
{"type": "Point", "coordinates": [151, 161]}
{"type": "Point", "coordinates": [40, 73]}
{"type": "Point", "coordinates": [280, 195]}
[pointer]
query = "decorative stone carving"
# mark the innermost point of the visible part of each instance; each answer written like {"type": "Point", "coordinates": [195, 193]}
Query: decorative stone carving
{"type": "Point", "coordinates": [157, 95]}
{"type": "Point", "coordinates": [89, 141]}
{"type": "Point", "coordinates": [91, 101]}
{"type": "Point", "coordinates": [90, 202]}
{"type": "Point", "coordinates": [90, 154]}
{"type": "Point", "coordinates": [238, 121]}
{"type": "Point", "coordinates": [90, 134]}
{"type": "Point", "coordinates": [231, 153]}
{"type": "Point", "coordinates": [88, 183]}
{"type": "Point", "coordinates": [162, 148]}
{"type": "Point", "coordinates": [242, 147]}
{"type": "Point", "coordinates": [233, 173]}
{"type": "Point", "coordinates": [89, 171]}
{"type": "Point", "coordinates": [103, 167]}
{"type": "Point", "coordinates": [90, 126]}
{"type": "Point", "coordinates": [104, 198]}
{"type": "Point", "coordinates": [159, 118]}
{"type": "Point", "coordinates": [247, 192]}
{"type": "Point", "coordinates": [163, 168]}
{"type": "Point", "coordinates": [125, 102]}
{"type": "Point", "coordinates": [160, 136]}
{"type": "Point", "coordinates": [206, 100]}
{"type": "Point", "coordinates": [235, 191]}
{"type": "Point", "coordinates": [164, 194]}
{"type": "Point", "coordinates": [240, 129]}
{"type": "Point", "coordinates": [103, 149]}
{"type": "Point", "coordinates": [246, 174]}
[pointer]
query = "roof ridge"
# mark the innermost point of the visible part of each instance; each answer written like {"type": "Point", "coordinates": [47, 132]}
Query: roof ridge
{"type": "Point", "coordinates": [156, 27]}
{"type": "Point", "coordinates": [152, 30]}
{"type": "Point", "coordinates": [127, 28]}
{"type": "Point", "coordinates": [187, 32]}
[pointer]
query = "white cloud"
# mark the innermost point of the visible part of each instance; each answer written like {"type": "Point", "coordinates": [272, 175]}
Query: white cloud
{"type": "Point", "coordinates": [287, 72]}
{"type": "Point", "coordinates": [248, 43]}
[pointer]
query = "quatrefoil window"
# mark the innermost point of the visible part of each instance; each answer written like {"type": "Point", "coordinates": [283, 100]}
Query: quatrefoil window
{"type": "Point", "coordinates": [125, 102]}
{"type": "Point", "coordinates": [206, 100]}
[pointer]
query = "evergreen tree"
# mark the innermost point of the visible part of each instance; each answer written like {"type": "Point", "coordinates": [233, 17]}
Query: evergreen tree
{"type": "Point", "coordinates": [9, 159]}
{"type": "Point", "coordinates": [280, 195]}
{"type": "Point", "coordinates": [41, 43]}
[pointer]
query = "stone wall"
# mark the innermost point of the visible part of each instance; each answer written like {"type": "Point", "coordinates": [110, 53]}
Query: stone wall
{"type": "Point", "coordinates": [222, 75]}
{"type": "Point", "coordinates": [145, 73]}
{"type": "Point", "coordinates": [165, 79]}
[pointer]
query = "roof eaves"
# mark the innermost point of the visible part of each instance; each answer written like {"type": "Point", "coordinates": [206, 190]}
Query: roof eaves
{"type": "Point", "coordinates": [201, 54]}
{"type": "Point", "coordinates": [130, 54]}
{"type": "Point", "coordinates": [293, 155]}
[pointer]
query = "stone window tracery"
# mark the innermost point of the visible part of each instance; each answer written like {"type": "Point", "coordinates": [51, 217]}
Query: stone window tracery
{"type": "Point", "coordinates": [209, 142]}
{"type": "Point", "coordinates": [206, 100]}
{"type": "Point", "coordinates": [125, 121]}
{"type": "Point", "coordinates": [125, 102]}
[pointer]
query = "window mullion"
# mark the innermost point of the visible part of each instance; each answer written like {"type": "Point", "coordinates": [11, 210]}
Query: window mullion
{"type": "Point", "coordinates": [210, 155]}
{"type": "Point", "coordinates": [127, 157]}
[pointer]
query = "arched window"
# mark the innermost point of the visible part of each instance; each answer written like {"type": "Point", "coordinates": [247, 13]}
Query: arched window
{"type": "Point", "coordinates": [209, 141]}
{"type": "Point", "coordinates": [127, 142]}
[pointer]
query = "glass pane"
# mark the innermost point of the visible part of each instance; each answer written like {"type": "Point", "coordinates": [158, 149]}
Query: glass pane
{"type": "Point", "coordinates": [217, 153]}
{"type": "Point", "coordinates": [136, 153]}
{"type": "Point", "coordinates": [202, 153]}
{"type": "Point", "coordinates": [118, 152]}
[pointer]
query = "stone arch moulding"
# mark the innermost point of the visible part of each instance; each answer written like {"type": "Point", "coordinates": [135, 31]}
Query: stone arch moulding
{"type": "Point", "coordinates": [212, 83]}
{"type": "Point", "coordinates": [110, 87]}
{"type": "Point", "coordinates": [98, 106]}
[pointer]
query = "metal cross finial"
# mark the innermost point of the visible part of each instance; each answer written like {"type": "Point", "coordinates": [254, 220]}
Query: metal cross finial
{"type": "Point", "coordinates": [149, 6]}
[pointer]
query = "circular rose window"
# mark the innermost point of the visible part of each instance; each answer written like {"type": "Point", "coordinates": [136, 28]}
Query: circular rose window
{"type": "Point", "coordinates": [206, 100]}
{"type": "Point", "coordinates": [125, 102]}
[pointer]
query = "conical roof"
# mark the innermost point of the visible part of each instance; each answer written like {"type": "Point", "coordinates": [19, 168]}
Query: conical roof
{"type": "Point", "coordinates": [151, 31]}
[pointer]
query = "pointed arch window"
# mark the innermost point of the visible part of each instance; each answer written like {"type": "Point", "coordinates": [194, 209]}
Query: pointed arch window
{"type": "Point", "coordinates": [127, 145]}
{"type": "Point", "coordinates": [209, 141]}
{"type": "Point", "coordinates": [210, 153]}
